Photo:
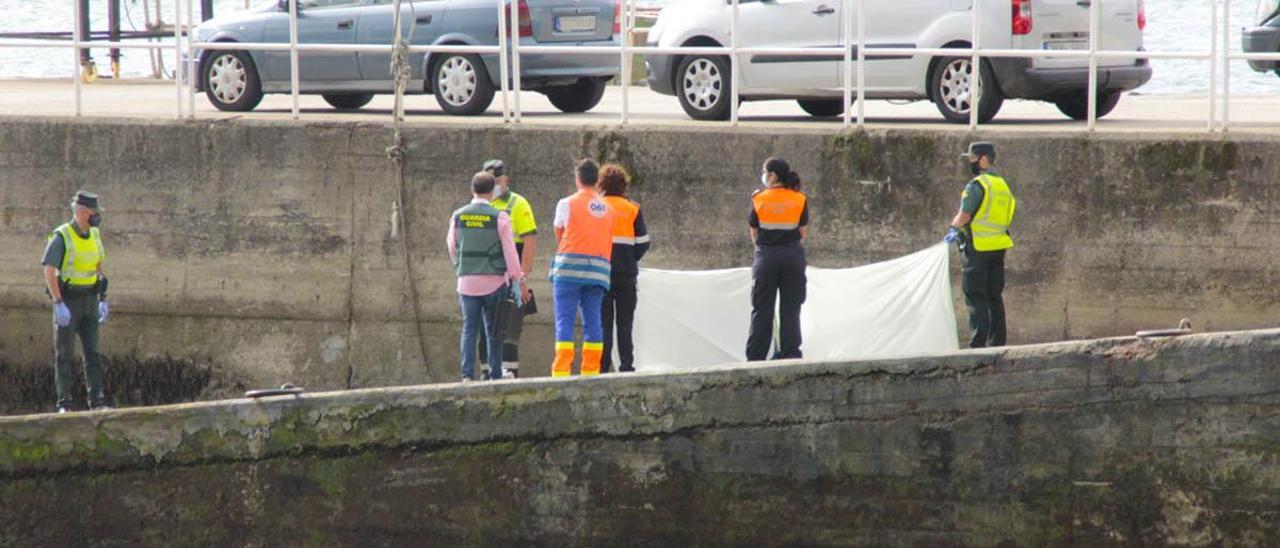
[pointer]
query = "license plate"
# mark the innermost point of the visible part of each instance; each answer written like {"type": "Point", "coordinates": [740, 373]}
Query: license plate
{"type": "Point", "coordinates": [581, 23]}
{"type": "Point", "coordinates": [1075, 45]}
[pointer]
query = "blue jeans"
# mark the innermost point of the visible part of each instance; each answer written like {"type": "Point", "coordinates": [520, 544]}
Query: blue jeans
{"type": "Point", "coordinates": [569, 297]}
{"type": "Point", "coordinates": [474, 311]}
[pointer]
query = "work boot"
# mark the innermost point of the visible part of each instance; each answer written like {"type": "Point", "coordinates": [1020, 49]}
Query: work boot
{"type": "Point", "coordinates": [592, 355]}
{"type": "Point", "coordinates": [563, 365]}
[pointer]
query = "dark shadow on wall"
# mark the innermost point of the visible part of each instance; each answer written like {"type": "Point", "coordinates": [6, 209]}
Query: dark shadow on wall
{"type": "Point", "coordinates": [129, 381]}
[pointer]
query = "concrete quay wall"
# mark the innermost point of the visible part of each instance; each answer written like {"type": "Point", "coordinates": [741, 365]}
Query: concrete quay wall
{"type": "Point", "coordinates": [1116, 442]}
{"type": "Point", "coordinates": [266, 250]}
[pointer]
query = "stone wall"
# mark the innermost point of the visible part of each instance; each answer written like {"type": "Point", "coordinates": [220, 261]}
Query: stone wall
{"type": "Point", "coordinates": [266, 248]}
{"type": "Point", "coordinates": [1103, 443]}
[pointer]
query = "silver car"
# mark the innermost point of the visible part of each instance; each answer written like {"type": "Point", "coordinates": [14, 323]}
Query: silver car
{"type": "Point", "coordinates": [464, 84]}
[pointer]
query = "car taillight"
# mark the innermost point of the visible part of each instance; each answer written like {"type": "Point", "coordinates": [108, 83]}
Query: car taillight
{"type": "Point", "coordinates": [1142, 15]}
{"type": "Point", "coordinates": [1021, 17]}
{"type": "Point", "coordinates": [617, 17]}
{"type": "Point", "coordinates": [526, 22]}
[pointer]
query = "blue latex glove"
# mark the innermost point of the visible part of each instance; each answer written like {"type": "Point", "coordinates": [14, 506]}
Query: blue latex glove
{"type": "Point", "coordinates": [102, 311]}
{"type": "Point", "coordinates": [953, 235]}
{"type": "Point", "coordinates": [517, 293]}
{"type": "Point", "coordinates": [62, 314]}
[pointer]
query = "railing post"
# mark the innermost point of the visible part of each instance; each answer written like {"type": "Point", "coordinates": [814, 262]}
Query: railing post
{"type": "Point", "coordinates": [1226, 64]}
{"type": "Point", "coordinates": [293, 55]}
{"type": "Point", "coordinates": [517, 78]}
{"type": "Point", "coordinates": [1095, 26]}
{"type": "Point", "coordinates": [504, 72]}
{"type": "Point", "coordinates": [734, 67]}
{"type": "Point", "coordinates": [624, 77]}
{"type": "Point", "coordinates": [77, 71]}
{"type": "Point", "coordinates": [177, 52]}
{"type": "Point", "coordinates": [191, 60]}
{"type": "Point", "coordinates": [846, 64]}
{"type": "Point", "coordinates": [1213, 65]}
{"type": "Point", "coordinates": [862, 58]}
{"type": "Point", "coordinates": [975, 74]}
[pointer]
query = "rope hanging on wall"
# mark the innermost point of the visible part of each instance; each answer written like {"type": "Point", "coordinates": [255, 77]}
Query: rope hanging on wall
{"type": "Point", "coordinates": [402, 73]}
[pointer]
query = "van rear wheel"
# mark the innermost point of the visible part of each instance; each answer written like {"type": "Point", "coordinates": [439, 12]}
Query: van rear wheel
{"type": "Point", "coordinates": [951, 88]}
{"type": "Point", "coordinates": [822, 108]}
{"type": "Point", "coordinates": [1076, 106]}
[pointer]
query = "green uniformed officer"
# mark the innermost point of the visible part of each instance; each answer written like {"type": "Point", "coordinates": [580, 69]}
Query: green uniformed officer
{"type": "Point", "coordinates": [74, 277]}
{"type": "Point", "coordinates": [981, 228]}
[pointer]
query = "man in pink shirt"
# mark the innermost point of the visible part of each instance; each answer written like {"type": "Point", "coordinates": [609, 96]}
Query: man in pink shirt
{"type": "Point", "coordinates": [483, 250]}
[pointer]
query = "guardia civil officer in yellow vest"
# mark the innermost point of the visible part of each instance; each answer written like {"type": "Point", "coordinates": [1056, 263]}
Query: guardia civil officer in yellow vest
{"type": "Point", "coordinates": [981, 228]}
{"type": "Point", "coordinates": [74, 277]}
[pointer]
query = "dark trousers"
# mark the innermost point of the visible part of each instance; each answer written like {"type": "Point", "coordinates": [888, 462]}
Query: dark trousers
{"type": "Point", "coordinates": [84, 325]}
{"type": "Point", "coordinates": [983, 283]}
{"type": "Point", "coordinates": [510, 327]}
{"type": "Point", "coordinates": [619, 302]}
{"type": "Point", "coordinates": [778, 272]}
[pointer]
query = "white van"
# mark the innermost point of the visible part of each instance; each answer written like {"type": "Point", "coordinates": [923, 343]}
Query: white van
{"type": "Point", "coordinates": [701, 82]}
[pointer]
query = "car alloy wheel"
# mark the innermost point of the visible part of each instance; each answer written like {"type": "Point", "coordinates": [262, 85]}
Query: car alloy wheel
{"type": "Point", "coordinates": [228, 78]}
{"type": "Point", "coordinates": [955, 85]}
{"type": "Point", "coordinates": [457, 81]}
{"type": "Point", "coordinates": [702, 84]}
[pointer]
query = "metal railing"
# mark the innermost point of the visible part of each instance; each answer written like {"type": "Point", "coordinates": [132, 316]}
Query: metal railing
{"type": "Point", "coordinates": [852, 52]}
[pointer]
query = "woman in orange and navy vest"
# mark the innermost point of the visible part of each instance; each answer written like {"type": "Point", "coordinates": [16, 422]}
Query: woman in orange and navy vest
{"type": "Point", "coordinates": [630, 242]}
{"type": "Point", "coordinates": [779, 222]}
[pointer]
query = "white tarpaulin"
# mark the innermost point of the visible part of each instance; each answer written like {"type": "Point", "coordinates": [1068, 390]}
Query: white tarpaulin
{"type": "Point", "coordinates": [900, 307]}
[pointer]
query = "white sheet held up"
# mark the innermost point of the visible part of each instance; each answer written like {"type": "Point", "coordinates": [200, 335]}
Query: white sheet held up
{"type": "Point", "coordinates": [900, 307]}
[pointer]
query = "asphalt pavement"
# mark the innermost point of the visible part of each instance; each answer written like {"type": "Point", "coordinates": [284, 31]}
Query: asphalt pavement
{"type": "Point", "coordinates": [157, 100]}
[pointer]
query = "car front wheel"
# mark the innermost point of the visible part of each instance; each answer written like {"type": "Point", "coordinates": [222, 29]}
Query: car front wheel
{"type": "Point", "coordinates": [582, 96]}
{"type": "Point", "coordinates": [951, 87]}
{"type": "Point", "coordinates": [703, 85]}
{"type": "Point", "coordinates": [231, 81]}
{"type": "Point", "coordinates": [1076, 106]}
{"type": "Point", "coordinates": [461, 85]}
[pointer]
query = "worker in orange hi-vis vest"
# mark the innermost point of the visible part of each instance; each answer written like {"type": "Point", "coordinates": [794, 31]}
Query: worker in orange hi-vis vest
{"type": "Point", "coordinates": [580, 271]}
{"type": "Point", "coordinates": [779, 222]}
{"type": "Point", "coordinates": [630, 243]}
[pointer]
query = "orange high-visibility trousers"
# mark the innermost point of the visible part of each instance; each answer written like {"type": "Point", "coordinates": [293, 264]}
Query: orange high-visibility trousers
{"type": "Point", "coordinates": [563, 364]}
{"type": "Point", "coordinates": [592, 355]}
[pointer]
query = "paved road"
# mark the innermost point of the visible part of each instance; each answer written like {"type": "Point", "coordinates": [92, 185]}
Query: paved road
{"type": "Point", "coordinates": [144, 99]}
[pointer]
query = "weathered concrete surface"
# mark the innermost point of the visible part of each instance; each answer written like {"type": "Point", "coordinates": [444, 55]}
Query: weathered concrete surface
{"type": "Point", "coordinates": [265, 248]}
{"type": "Point", "coordinates": [1103, 443]}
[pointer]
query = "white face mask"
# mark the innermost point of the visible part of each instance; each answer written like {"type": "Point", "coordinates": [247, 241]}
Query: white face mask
{"type": "Point", "coordinates": [764, 179]}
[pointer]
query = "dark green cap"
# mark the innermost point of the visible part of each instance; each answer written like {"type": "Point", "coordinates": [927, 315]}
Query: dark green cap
{"type": "Point", "coordinates": [86, 199]}
{"type": "Point", "coordinates": [496, 167]}
{"type": "Point", "coordinates": [980, 148]}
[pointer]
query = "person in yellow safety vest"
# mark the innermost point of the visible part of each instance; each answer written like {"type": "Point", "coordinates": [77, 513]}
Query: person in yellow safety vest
{"type": "Point", "coordinates": [74, 278]}
{"type": "Point", "coordinates": [981, 228]}
{"type": "Point", "coordinates": [525, 228]}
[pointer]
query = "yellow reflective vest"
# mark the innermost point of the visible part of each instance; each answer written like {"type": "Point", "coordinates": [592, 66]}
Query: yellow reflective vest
{"type": "Point", "coordinates": [83, 256]}
{"type": "Point", "coordinates": [990, 225]}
